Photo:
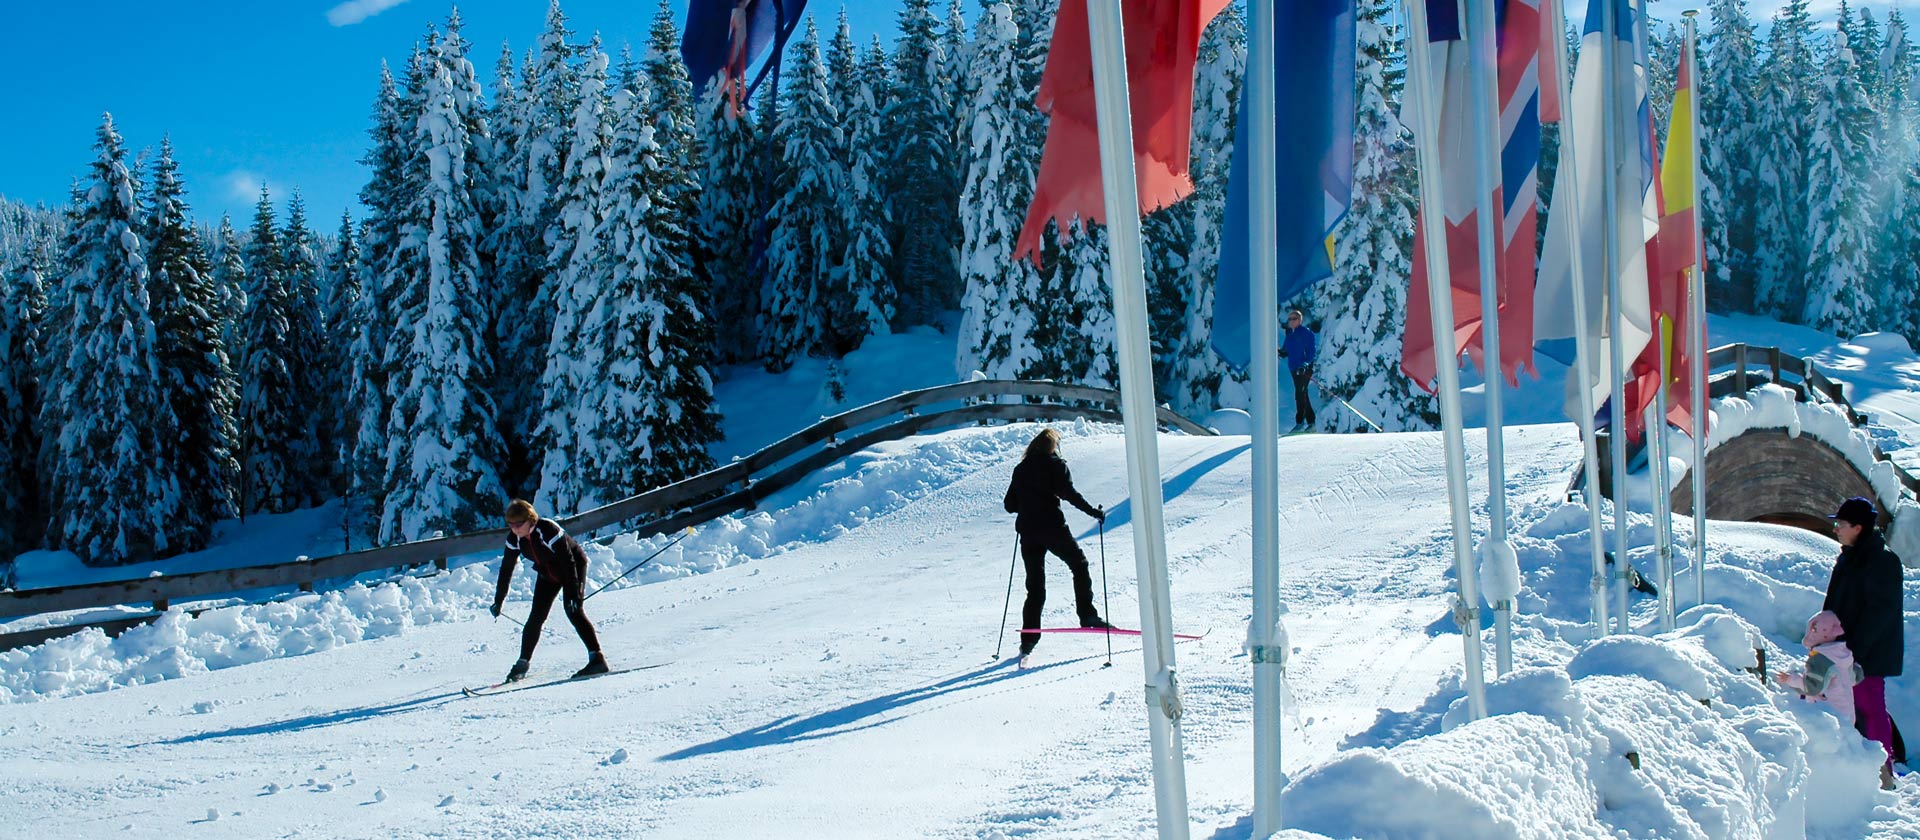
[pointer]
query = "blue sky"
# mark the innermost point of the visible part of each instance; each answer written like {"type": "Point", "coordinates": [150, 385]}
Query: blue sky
{"type": "Point", "coordinates": [275, 93]}
{"type": "Point", "coordinates": [254, 92]}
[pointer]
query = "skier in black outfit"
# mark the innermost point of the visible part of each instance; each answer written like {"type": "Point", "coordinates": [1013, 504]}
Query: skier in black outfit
{"type": "Point", "coordinates": [560, 567]}
{"type": "Point", "coordinates": [1040, 482]}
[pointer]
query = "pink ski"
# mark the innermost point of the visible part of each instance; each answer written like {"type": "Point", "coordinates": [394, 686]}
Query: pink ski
{"type": "Point", "coordinates": [1101, 631]}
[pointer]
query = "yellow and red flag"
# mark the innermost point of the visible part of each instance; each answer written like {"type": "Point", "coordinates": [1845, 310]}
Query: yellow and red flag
{"type": "Point", "coordinates": [1672, 258]}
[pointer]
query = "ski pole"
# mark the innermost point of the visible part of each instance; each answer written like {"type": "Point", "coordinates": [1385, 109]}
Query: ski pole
{"type": "Point", "coordinates": [1001, 640]}
{"type": "Point", "coordinates": [1105, 604]}
{"type": "Point", "coordinates": [636, 567]}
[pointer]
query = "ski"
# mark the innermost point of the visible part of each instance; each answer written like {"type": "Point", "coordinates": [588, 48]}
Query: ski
{"type": "Point", "coordinates": [510, 687]}
{"type": "Point", "coordinates": [1101, 631]}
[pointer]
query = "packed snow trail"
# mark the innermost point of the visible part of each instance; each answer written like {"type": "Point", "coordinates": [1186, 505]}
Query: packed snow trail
{"type": "Point", "coordinates": [839, 687]}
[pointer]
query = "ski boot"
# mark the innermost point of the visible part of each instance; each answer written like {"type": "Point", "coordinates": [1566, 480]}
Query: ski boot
{"type": "Point", "coordinates": [518, 672]}
{"type": "Point", "coordinates": [596, 665]}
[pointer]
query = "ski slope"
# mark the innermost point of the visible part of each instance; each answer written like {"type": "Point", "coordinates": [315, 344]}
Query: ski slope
{"type": "Point", "coordinates": [827, 671]}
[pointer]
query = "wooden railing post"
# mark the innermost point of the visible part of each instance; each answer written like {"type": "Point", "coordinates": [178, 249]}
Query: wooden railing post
{"type": "Point", "coordinates": [1740, 368]}
{"type": "Point", "coordinates": [1773, 364]}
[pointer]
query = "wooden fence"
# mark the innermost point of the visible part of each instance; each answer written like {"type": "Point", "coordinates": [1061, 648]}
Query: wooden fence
{"type": "Point", "coordinates": [734, 487]}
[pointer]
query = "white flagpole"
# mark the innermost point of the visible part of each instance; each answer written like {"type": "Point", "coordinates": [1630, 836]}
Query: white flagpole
{"type": "Point", "coordinates": [1482, 35]}
{"type": "Point", "coordinates": [1698, 331]}
{"type": "Point", "coordinates": [1582, 347]}
{"type": "Point", "coordinates": [1617, 432]}
{"type": "Point", "coordinates": [1446, 354]}
{"type": "Point", "coordinates": [1265, 642]}
{"type": "Point", "coordinates": [1128, 278]}
{"type": "Point", "coordinates": [1659, 475]}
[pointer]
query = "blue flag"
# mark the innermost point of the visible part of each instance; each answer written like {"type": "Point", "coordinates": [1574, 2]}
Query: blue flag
{"type": "Point", "coordinates": [1313, 73]}
{"type": "Point", "coordinates": [729, 36]}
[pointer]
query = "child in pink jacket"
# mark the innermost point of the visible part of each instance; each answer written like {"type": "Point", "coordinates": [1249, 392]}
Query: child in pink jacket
{"type": "Point", "coordinates": [1831, 673]}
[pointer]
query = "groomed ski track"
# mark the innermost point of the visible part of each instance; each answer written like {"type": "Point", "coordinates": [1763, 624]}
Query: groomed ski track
{"type": "Point", "coordinates": [842, 687]}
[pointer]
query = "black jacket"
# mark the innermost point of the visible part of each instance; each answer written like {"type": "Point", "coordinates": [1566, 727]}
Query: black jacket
{"type": "Point", "coordinates": [1865, 593]}
{"type": "Point", "coordinates": [556, 557]}
{"type": "Point", "coordinates": [1038, 486]}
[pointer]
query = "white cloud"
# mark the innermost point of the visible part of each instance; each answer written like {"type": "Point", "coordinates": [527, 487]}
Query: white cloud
{"type": "Point", "coordinates": [354, 11]}
{"type": "Point", "coordinates": [243, 185]}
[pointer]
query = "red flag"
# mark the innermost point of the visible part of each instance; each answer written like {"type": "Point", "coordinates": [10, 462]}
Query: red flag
{"type": "Point", "coordinates": [1163, 45]}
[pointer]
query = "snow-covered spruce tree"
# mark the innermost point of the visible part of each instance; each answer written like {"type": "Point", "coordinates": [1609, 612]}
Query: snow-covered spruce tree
{"type": "Point", "coordinates": [726, 215]}
{"type": "Point", "coordinates": [385, 197]}
{"type": "Point", "coordinates": [271, 418]}
{"type": "Point", "coordinates": [1373, 259]}
{"type": "Point", "coordinates": [344, 284]}
{"type": "Point", "coordinates": [1168, 236]}
{"type": "Point", "coordinates": [1197, 382]}
{"type": "Point", "coordinates": [201, 388]}
{"type": "Point", "coordinates": [1080, 302]}
{"type": "Point", "coordinates": [549, 97]}
{"type": "Point", "coordinates": [804, 249]}
{"type": "Point", "coordinates": [1841, 290]}
{"type": "Point", "coordinates": [1000, 169]}
{"type": "Point", "coordinates": [579, 265]}
{"type": "Point", "coordinates": [956, 53]}
{"type": "Point", "coordinates": [306, 318]}
{"type": "Point", "coordinates": [1780, 226]}
{"type": "Point", "coordinates": [924, 189]}
{"type": "Point", "coordinates": [105, 415]}
{"type": "Point", "coordinates": [671, 93]}
{"type": "Point", "coordinates": [515, 249]}
{"type": "Point", "coordinates": [1898, 188]}
{"type": "Point", "coordinates": [23, 302]}
{"type": "Point", "coordinates": [443, 443]}
{"type": "Point", "coordinates": [230, 308]}
{"type": "Point", "coordinates": [843, 67]}
{"type": "Point", "coordinates": [1729, 107]}
{"type": "Point", "coordinates": [864, 303]}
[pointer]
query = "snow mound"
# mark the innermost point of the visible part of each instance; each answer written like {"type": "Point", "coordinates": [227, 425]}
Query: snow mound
{"type": "Point", "coordinates": [1230, 421]}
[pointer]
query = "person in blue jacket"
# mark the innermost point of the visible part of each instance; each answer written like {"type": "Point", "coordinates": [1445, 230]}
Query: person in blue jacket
{"type": "Point", "coordinates": [1299, 351]}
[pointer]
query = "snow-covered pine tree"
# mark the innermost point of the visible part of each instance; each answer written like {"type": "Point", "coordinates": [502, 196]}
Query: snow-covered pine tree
{"type": "Point", "coordinates": [105, 414]}
{"type": "Point", "coordinates": [1079, 336]}
{"type": "Point", "coordinates": [230, 308]}
{"type": "Point", "coordinates": [671, 93]}
{"type": "Point", "coordinates": [23, 302]}
{"type": "Point", "coordinates": [1373, 262]}
{"type": "Point", "coordinates": [627, 77]}
{"type": "Point", "coordinates": [843, 66]}
{"type": "Point", "coordinates": [1729, 166]}
{"type": "Point", "coordinates": [1198, 381]}
{"type": "Point", "coordinates": [549, 98]}
{"type": "Point", "coordinates": [1898, 187]}
{"type": "Point", "coordinates": [956, 53]}
{"type": "Point", "coordinates": [271, 419]}
{"type": "Point", "coordinates": [1780, 227]}
{"type": "Point", "coordinates": [443, 443]}
{"type": "Point", "coordinates": [1000, 168]}
{"type": "Point", "coordinates": [201, 388]}
{"type": "Point", "coordinates": [515, 249]}
{"type": "Point", "coordinates": [804, 248]}
{"type": "Point", "coordinates": [864, 303]}
{"type": "Point", "coordinates": [1864, 39]}
{"type": "Point", "coordinates": [1841, 291]}
{"type": "Point", "coordinates": [385, 198]}
{"type": "Point", "coordinates": [726, 215]}
{"type": "Point", "coordinates": [579, 265]}
{"type": "Point", "coordinates": [344, 284]}
{"type": "Point", "coordinates": [923, 191]}
{"type": "Point", "coordinates": [311, 451]}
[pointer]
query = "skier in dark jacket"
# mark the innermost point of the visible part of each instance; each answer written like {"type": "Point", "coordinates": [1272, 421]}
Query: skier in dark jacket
{"type": "Point", "coordinates": [1039, 484]}
{"type": "Point", "coordinates": [1299, 351]}
{"type": "Point", "coordinates": [1865, 593]}
{"type": "Point", "coordinates": [560, 568]}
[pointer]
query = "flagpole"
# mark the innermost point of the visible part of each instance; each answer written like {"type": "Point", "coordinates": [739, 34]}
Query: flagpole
{"type": "Point", "coordinates": [1698, 329]}
{"type": "Point", "coordinates": [1582, 345]}
{"type": "Point", "coordinates": [1127, 275]}
{"type": "Point", "coordinates": [1265, 642]}
{"type": "Point", "coordinates": [1446, 355]}
{"type": "Point", "coordinates": [1610, 186]}
{"type": "Point", "coordinates": [1660, 474]}
{"type": "Point", "coordinates": [1481, 42]}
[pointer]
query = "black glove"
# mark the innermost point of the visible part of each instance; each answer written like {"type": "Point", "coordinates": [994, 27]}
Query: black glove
{"type": "Point", "coordinates": [495, 609]}
{"type": "Point", "coordinates": [1283, 352]}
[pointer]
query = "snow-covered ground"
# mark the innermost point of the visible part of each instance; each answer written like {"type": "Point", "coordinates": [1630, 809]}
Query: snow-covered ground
{"type": "Point", "coordinates": [826, 670]}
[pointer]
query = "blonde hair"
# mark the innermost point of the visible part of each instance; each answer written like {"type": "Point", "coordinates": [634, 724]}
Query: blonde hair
{"type": "Point", "coordinates": [1043, 444]}
{"type": "Point", "coordinates": [521, 510]}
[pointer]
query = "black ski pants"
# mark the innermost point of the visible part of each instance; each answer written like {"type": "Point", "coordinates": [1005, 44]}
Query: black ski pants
{"type": "Point", "coordinates": [544, 591]}
{"type": "Point", "coordinates": [1302, 403]}
{"type": "Point", "coordinates": [1033, 549]}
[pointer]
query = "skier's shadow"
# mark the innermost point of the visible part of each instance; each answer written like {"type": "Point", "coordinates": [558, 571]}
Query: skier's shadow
{"type": "Point", "coordinates": [315, 721]}
{"type": "Point", "coordinates": [864, 714]}
{"type": "Point", "coordinates": [1170, 488]}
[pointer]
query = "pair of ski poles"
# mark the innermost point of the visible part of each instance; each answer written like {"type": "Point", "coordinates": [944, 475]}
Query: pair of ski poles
{"type": "Point", "coordinates": [630, 570]}
{"type": "Point", "coordinates": [1106, 606]}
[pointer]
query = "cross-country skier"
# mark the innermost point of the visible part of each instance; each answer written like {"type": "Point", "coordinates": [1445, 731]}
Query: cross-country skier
{"type": "Point", "coordinates": [1299, 351]}
{"type": "Point", "coordinates": [1040, 482]}
{"type": "Point", "coordinates": [560, 568]}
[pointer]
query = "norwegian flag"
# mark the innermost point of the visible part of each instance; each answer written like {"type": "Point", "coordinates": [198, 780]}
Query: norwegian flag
{"type": "Point", "coordinates": [1529, 86]}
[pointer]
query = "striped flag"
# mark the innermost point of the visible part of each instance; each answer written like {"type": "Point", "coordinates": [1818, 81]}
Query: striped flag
{"type": "Point", "coordinates": [1575, 231]}
{"type": "Point", "coordinates": [1314, 45]}
{"type": "Point", "coordinates": [1528, 93]}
